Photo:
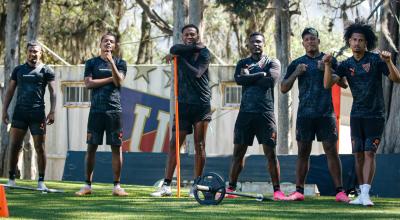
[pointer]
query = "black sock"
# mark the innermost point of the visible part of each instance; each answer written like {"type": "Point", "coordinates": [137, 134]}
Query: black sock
{"type": "Point", "coordinates": [167, 182]}
{"type": "Point", "coordinates": [300, 189]}
{"type": "Point", "coordinates": [116, 183]}
{"type": "Point", "coordinates": [41, 177]}
{"type": "Point", "coordinates": [11, 174]}
{"type": "Point", "coordinates": [277, 188]}
{"type": "Point", "coordinates": [232, 185]}
{"type": "Point", "coordinates": [88, 182]}
{"type": "Point", "coordinates": [339, 189]}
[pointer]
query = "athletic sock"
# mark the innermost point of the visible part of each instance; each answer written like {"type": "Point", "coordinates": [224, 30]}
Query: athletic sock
{"type": "Point", "coordinates": [367, 187]}
{"type": "Point", "coordinates": [277, 188]}
{"type": "Point", "coordinates": [88, 182]}
{"type": "Point", "coordinates": [167, 182]}
{"type": "Point", "coordinates": [300, 189]}
{"type": "Point", "coordinates": [11, 174]}
{"type": "Point", "coordinates": [339, 189]}
{"type": "Point", "coordinates": [116, 183]}
{"type": "Point", "coordinates": [41, 177]}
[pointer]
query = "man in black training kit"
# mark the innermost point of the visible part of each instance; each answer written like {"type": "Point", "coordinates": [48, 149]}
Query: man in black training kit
{"type": "Point", "coordinates": [364, 72]}
{"type": "Point", "coordinates": [315, 115]}
{"type": "Point", "coordinates": [194, 97]}
{"type": "Point", "coordinates": [30, 79]}
{"type": "Point", "coordinates": [104, 75]}
{"type": "Point", "coordinates": [257, 75]}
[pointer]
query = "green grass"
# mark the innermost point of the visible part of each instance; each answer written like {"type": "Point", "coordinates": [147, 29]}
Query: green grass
{"type": "Point", "coordinates": [139, 205]}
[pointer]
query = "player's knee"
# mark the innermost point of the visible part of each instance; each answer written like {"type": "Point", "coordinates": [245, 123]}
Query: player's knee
{"type": "Point", "coordinates": [40, 149]}
{"type": "Point", "coordinates": [116, 149]}
{"type": "Point", "coordinates": [238, 159]}
{"type": "Point", "coordinates": [303, 156]}
{"type": "Point", "coordinates": [369, 155]}
{"type": "Point", "coordinates": [331, 152]}
{"type": "Point", "coordinates": [199, 146]}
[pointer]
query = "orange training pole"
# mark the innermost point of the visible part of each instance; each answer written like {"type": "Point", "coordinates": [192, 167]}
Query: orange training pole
{"type": "Point", "coordinates": [336, 107]}
{"type": "Point", "coordinates": [178, 161]}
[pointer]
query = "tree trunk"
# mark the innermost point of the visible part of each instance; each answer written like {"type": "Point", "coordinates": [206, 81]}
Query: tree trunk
{"type": "Point", "coordinates": [11, 60]}
{"type": "Point", "coordinates": [390, 139]}
{"type": "Point", "coordinates": [118, 13]}
{"type": "Point", "coordinates": [180, 17]}
{"type": "Point", "coordinates": [282, 42]}
{"type": "Point", "coordinates": [196, 10]}
{"type": "Point", "coordinates": [145, 46]}
{"type": "Point", "coordinates": [29, 165]}
{"type": "Point", "coordinates": [34, 20]}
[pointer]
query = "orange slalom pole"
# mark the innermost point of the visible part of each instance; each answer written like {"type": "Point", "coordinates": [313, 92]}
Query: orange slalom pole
{"type": "Point", "coordinates": [177, 148]}
{"type": "Point", "coordinates": [336, 92]}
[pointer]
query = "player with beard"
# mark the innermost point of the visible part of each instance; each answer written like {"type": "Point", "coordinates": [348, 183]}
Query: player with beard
{"type": "Point", "coordinates": [30, 81]}
{"type": "Point", "coordinates": [257, 75]}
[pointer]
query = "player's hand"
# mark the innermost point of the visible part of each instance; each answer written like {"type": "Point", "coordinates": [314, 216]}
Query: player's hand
{"type": "Point", "coordinates": [386, 56]}
{"type": "Point", "coordinates": [301, 69]}
{"type": "Point", "coordinates": [327, 59]}
{"type": "Point", "coordinates": [5, 118]}
{"type": "Point", "coordinates": [109, 57]}
{"type": "Point", "coordinates": [244, 71]}
{"type": "Point", "coordinates": [50, 118]}
{"type": "Point", "coordinates": [200, 45]}
{"type": "Point", "coordinates": [168, 58]}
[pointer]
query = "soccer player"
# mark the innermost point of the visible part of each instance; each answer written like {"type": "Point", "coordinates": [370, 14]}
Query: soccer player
{"type": "Point", "coordinates": [315, 115]}
{"type": "Point", "coordinates": [104, 75]}
{"type": "Point", "coordinates": [30, 79]}
{"type": "Point", "coordinates": [194, 97]}
{"type": "Point", "coordinates": [257, 75]}
{"type": "Point", "coordinates": [364, 73]}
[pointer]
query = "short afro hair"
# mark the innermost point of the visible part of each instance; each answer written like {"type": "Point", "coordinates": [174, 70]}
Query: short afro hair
{"type": "Point", "coordinates": [190, 26]}
{"type": "Point", "coordinates": [361, 27]}
{"type": "Point", "coordinates": [256, 33]}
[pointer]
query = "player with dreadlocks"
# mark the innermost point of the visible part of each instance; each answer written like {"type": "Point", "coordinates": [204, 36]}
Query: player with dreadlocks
{"type": "Point", "coordinates": [364, 74]}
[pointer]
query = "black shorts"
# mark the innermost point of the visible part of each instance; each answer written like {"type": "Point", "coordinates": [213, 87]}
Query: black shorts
{"type": "Point", "coordinates": [261, 125]}
{"type": "Point", "coordinates": [323, 127]}
{"type": "Point", "coordinates": [99, 123]}
{"type": "Point", "coordinates": [366, 133]}
{"type": "Point", "coordinates": [35, 121]}
{"type": "Point", "coordinates": [190, 114]}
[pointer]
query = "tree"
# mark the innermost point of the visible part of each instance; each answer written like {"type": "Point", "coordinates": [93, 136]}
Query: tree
{"type": "Point", "coordinates": [146, 44]}
{"type": "Point", "coordinates": [247, 16]}
{"type": "Point", "coordinates": [196, 10]}
{"type": "Point", "coordinates": [389, 40]}
{"type": "Point", "coordinates": [11, 60]}
{"type": "Point", "coordinates": [29, 168]}
{"type": "Point", "coordinates": [282, 42]}
{"type": "Point", "coordinates": [179, 8]}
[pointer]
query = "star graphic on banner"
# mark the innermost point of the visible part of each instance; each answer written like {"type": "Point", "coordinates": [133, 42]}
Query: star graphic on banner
{"type": "Point", "coordinates": [212, 84]}
{"type": "Point", "coordinates": [168, 73]}
{"type": "Point", "coordinates": [143, 72]}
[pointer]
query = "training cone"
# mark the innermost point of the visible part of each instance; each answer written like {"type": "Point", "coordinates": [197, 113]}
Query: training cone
{"type": "Point", "coordinates": [3, 203]}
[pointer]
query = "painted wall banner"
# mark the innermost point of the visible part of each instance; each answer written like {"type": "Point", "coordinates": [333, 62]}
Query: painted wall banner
{"type": "Point", "coordinates": [145, 121]}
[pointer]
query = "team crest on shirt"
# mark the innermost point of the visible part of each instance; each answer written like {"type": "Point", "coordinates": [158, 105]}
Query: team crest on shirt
{"type": "Point", "coordinates": [366, 67]}
{"type": "Point", "coordinates": [352, 71]}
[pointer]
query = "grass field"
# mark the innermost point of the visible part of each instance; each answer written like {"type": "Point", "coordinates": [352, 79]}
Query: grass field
{"type": "Point", "coordinates": [138, 205]}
